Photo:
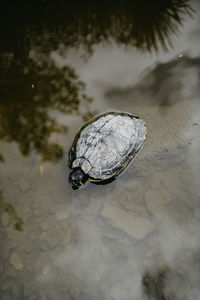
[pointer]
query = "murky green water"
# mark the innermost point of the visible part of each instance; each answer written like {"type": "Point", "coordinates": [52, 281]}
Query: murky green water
{"type": "Point", "coordinates": [138, 237]}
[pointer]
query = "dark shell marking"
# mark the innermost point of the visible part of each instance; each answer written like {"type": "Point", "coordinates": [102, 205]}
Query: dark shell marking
{"type": "Point", "coordinates": [105, 145]}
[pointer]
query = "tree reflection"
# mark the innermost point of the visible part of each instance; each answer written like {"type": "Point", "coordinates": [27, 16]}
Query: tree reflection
{"type": "Point", "coordinates": [31, 88]}
{"type": "Point", "coordinates": [143, 23]}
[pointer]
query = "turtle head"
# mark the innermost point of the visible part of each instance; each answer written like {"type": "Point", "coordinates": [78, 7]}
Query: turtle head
{"type": "Point", "coordinates": [77, 178]}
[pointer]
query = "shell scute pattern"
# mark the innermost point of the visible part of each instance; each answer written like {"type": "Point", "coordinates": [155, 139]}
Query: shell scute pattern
{"type": "Point", "coordinates": [91, 136]}
{"type": "Point", "coordinates": [109, 143]}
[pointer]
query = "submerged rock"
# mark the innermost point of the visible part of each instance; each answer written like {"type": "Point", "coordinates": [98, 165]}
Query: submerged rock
{"type": "Point", "coordinates": [135, 226]}
{"type": "Point", "coordinates": [16, 261]}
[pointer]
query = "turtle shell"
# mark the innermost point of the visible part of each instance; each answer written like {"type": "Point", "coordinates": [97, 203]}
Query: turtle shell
{"type": "Point", "coordinates": [105, 145]}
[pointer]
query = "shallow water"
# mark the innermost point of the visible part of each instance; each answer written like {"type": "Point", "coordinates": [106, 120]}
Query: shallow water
{"type": "Point", "coordinates": [99, 242]}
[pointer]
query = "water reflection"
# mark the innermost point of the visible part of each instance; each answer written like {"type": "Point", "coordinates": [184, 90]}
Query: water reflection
{"type": "Point", "coordinates": [101, 242]}
{"type": "Point", "coordinates": [32, 85]}
{"type": "Point", "coordinates": [164, 85]}
{"type": "Point", "coordinates": [142, 24]}
{"type": "Point", "coordinates": [31, 88]}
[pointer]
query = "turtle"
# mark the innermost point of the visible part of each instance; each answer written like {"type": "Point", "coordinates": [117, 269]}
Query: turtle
{"type": "Point", "coordinates": [104, 146]}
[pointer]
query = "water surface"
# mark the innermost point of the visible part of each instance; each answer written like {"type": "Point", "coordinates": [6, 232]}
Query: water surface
{"type": "Point", "coordinates": [138, 237]}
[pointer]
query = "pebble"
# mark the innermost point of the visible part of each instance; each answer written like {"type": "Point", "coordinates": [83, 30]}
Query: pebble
{"type": "Point", "coordinates": [44, 225]}
{"type": "Point", "coordinates": [61, 215]}
{"type": "Point", "coordinates": [5, 219]}
{"type": "Point", "coordinates": [24, 186]}
{"type": "Point", "coordinates": [137, 227]}
{"type": "Point", "coordinates": [46, 269]}
{"type": "Point", "coordinates": [16, 261]}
